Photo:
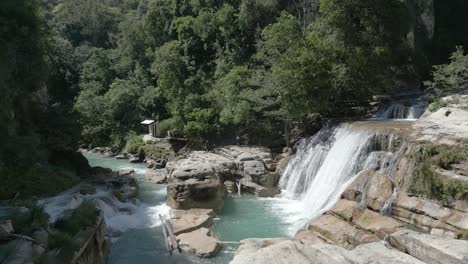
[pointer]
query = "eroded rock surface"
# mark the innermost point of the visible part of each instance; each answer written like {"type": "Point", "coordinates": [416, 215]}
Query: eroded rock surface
{"type": "Point", "coordinates": [431, 249]}
{"type": "Point", "coordinates": [197, 181]}
{"type": "Point", "coordinates": [199, 242]}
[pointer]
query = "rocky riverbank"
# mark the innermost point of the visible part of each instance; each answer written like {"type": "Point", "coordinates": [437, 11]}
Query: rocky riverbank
{"type": "Point", "coordinates": [418, 215]}
{"type": "Point", "coordinates": [69, 228]}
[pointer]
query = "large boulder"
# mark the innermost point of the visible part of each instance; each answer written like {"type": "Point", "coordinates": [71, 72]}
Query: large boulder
{"type": "Point", "coordinates": [365, 219]}
{"type": "Point", "coordinates": [374, 187]}
{"type": "Point", "coordinates": [431, 249]}
{"type": "Point", "coordinates": [155, 176]}
{"type": "Point", "coordinates": [199, 242]}
{"type": "Point", "coordinates": [340, 232]}
{"type": "Point", "coordinates": [252, 187]}
{"type": "Point", "coordinates": [197, 181]}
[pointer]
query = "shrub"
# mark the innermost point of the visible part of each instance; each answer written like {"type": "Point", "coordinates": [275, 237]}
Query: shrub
{"type": "Point", "coordinates": [437, 104]}
{"type": "Point", "coordinates": [134, 143]}
{"type": "Point", "coordinates": [452, 76]}
{"type": "Point", "coordinates": [428, 183]}
{"type": "Point", "coordinates": [25, 222]}
{"type": "Point", "coordinates": [59, 239]}
{"type": "Point", "coordinates": [167, 125]}
{"type": "Point", "coordinates": [30, 181]}
{"type": "Point", "coordinates": [83, 216]}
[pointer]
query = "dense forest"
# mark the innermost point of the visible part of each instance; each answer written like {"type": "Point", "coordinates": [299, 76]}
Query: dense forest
{"type": "Point", "coordinates": [86, 72]}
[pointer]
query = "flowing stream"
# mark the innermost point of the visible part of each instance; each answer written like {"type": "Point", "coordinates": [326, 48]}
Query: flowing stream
{"type": "Point", "coordinates": [138, 235]}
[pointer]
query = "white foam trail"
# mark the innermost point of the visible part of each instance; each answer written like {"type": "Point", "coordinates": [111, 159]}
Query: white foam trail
{"type": "Point", "coordinates": [325, 165]}
{"type": "Point", "coordinates": [118, 216]}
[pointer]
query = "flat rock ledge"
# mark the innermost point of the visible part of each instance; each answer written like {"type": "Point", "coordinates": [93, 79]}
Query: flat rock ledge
{"type": "Point", "coordinates": [192, 230]}
{"type": "Point", "coordinates": [200, 242]}
{"type": "Point", "coordinates": [184, 221]}
{"type": "Point", "coordinates": [284, 250]}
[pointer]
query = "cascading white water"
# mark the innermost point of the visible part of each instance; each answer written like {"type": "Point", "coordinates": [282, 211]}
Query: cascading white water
{"type": "Point", "coordinates": [119, 216]}
{"type": "Point", "coordinates": [322, 169]}
{"type": "Point", "coordinates": [326, 164]}
{"type": "Point", "coordinates": [399, 110]}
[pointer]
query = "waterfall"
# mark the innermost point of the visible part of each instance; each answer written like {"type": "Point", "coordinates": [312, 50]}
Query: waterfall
{"type": "Point", "coordinates": [402, 110]}
{"type": "Point", "coordinates": [326, 164]}
{"type": "Point", "coordinates": [239, 188]}
{"type": "Point", "coordinates": [119, 216]}
{"type": "Point", "coordinates": [387, 208]}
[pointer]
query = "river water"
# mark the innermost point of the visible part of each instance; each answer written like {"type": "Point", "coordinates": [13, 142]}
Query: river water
{"type": "Point", "coordinates": [242, 217]}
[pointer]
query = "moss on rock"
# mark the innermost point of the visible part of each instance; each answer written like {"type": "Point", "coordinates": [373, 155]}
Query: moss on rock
{"type": "Point", "coordinates": [427, 182]}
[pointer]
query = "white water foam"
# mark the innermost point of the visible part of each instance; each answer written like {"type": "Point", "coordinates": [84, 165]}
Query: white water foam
{"type": "Point", "coordinates": [325, 165]}
{"type": "Point", "coordinates": [322, 169]}
{"type": "Point", "coordinates": [402, 111]}
{"type": "Point", "coordinates": [119, 216]}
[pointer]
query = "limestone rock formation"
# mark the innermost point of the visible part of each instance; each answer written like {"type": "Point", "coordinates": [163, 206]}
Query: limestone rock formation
{"type": "Point", "coordinates": [195, 186]}
{"type": "Point", "coordinates": [155, 176]}
{"type": "Point", "coordinates": [199, 242]}
{"type": "Point", "coordinates": [197, 181]}
{"type": "Point", "coordinates": [374, 187]}
{"type": "Point", "coordinates": [184, 221]}
{"type": "Point", "coordinates": [431, 249]}
{"type": "Point", "coordinates": [283, 251]}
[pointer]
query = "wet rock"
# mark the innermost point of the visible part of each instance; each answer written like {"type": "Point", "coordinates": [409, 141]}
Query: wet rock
{"type": "Point", "coordinates": [431, 249]}
{"type": "Point", "coordinates": [230, 187]}
{"type": "Point", "coordinates": [126, 172]}
{"type": "Point", "coordinates": [121, 156]}
{"type": "Point", "coordinates": [365, 219]}
{"type": "Point", "coordinates": [157, 177]}
{"type": "Point", "coordinates": [374, 187]}
{"type": "Point", "coordinates": [254, 168]}
{"type": "Point", "coordinates": [260, 191]}
{"type": "Point", "coordinates": [184, 221]}
{"type": "Point", "coordinates": [195, 193]}
{"type": "Point", "coordinates": [6, 227]}
{"type": "Point", "coordinates": [200, 242]}
{"type": "Point", "coordinates": [41, 236]}
{"type": "Point", "coordinates": [340, 232]}
{"type": "Point", "coordinates": [134, 159]}
{"type": "Point", "coordinates": [87, 190]}
{"type": "Point", "coordinates": [283, 163]}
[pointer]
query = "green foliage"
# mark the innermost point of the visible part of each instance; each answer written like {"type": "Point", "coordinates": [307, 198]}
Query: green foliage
{"type": "Point", "coordinates": [166, 125]}
{"type": "Point", "coordinates": [452, 76]}
{"type": "Point", "coordinates": [27, 220]}
{"type": "Point", "coordinates": [428, 183]}
{"type": "Point", "coordinates": [437, 104]}
{"type": "Point", "coordinates": [59, 239]}
{"type": "Point", "coordinates": [29, 181]}
{"type": "Point", "coordinates": [134, 143]}
{"type": "Point", "coordinates": [83, 216]}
